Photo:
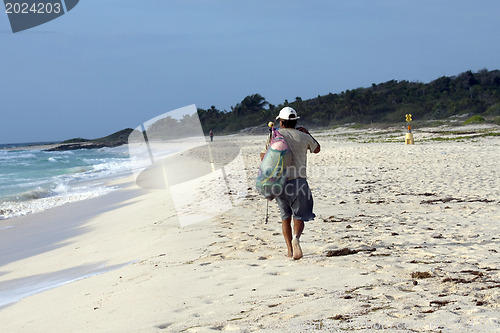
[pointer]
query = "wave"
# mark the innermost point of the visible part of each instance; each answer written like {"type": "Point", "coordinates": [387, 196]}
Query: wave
{"type": "Point", "coordinates": [58, 159]}
{"type": "Point", "coordinates": [113, 166]}
{"type": "Point", "coordinates": [11, 209]}
{"type": "Point", "coordinates": [49, 190]}
{"type": "Point", "coordinates": [63, 152]}
{"type": "Point", "coordinates": [6, 156]}
{"type": "Point", "coordinates": [35, 180]}
{"type": "Point", "coordinates": [33, 194]}
{"type": "Point", "coordinates": [17, 185]}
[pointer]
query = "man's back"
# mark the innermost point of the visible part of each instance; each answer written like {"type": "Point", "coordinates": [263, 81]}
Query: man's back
{"type": "Point", "coordinates": [299, 143]}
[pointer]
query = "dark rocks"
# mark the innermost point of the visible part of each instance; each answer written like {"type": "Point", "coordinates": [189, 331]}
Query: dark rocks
{"type": "Point", "coordinates": [346, 252]}
{"type": "Point", "coordinates": [75, 146]}
{"type": "Point", "coordinates": [342, 252]}
{"type": "Point", "coordinates": [114, 140]}
{"type": "Point", "coordinates": [421, 275]}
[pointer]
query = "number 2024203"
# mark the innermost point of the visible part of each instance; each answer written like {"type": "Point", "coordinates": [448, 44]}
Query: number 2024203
{"type": "Point", "coordinates": [35, 8]}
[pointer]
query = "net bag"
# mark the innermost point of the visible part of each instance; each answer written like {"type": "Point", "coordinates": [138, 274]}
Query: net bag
{"type": "Point", "coordinates": [272, 172]}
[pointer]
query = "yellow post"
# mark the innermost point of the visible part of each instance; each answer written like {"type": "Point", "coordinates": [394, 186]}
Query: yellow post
{"type": "Point", "coordinates": [409, 134]}
{"type": "Point", "coordinates": [409, 139]}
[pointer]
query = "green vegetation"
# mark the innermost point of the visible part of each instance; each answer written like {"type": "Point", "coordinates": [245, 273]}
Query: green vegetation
{"type": "Point", "coordinates": [477, 119]}
{"type": "Point", "coordinates": [468, 93]}
{"type": "Point", "coordinates": [76, 140]}
{"type": "Point", "coordinates": [118, 137]}
{"type": "Point", "coordinates": [115, 138]}
{"type": "Point", "coordinates": [457, 138]}
{"type": "Point", "coordinates": [493, 110]}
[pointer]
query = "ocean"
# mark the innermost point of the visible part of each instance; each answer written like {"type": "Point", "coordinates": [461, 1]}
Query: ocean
{"type": "Point", "coordinates": [33, 180]}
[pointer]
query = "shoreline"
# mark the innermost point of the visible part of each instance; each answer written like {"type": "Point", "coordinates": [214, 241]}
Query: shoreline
{"type": "Point", "coordinates": [24, 238]}
{"type": "Point", "coordinates": [430, 208]}
{"type": "Point", "coordinates": [34, 180]}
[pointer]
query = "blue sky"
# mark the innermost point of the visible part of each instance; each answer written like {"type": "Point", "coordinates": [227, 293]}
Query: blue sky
{"type": "Point", "coordinates": [112, 64]}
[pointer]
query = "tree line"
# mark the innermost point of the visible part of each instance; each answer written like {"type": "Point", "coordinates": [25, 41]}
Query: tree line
{"type": "Point", "coordinates": [475, 93]}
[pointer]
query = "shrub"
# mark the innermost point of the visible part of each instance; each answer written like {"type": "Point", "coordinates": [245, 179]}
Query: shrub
{"type": "Point", "coordinates": [477, 119]}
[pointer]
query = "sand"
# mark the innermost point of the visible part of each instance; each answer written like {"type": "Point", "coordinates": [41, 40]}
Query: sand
{"type": "Point", "coordinates": [406, 239]}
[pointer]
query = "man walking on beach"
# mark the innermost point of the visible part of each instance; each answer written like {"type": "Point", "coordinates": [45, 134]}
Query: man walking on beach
{"type": "Point", "coordinates": [296, 199]}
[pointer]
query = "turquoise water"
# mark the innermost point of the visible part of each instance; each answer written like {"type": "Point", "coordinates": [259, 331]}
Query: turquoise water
{"type": "Point", "coordinates": [32, 180]}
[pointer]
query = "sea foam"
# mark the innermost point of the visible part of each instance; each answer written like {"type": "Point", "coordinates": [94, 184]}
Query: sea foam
{"type": "Point", "coordinates": [35, 180]}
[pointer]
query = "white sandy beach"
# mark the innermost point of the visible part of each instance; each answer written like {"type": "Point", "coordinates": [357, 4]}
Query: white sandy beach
{"type": "Point", "coordinates": [421, 221]}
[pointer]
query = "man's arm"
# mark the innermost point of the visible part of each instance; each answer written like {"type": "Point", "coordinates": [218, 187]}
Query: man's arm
{"type": "Point", "coordinates": [317, 150]}
{"type": "Point", "coordinates": [304, 130]}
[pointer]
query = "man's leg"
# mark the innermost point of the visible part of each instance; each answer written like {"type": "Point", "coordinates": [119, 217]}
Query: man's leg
{"type": "Point", "coordinates": [298, 227]}
{"type": "Point", "coordinates": [287, 233]}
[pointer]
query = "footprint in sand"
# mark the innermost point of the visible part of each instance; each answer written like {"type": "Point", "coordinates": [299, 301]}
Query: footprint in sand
{"type": "Point", "coordinates": [164, 326]}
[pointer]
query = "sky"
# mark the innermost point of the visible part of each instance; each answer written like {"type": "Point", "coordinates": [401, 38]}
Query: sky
{"type": "Point", "coordinates": [113, 64]}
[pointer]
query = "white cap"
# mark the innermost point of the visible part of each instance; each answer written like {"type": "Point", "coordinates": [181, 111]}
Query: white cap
{"type": "Point", "coordinates": [287, 113]}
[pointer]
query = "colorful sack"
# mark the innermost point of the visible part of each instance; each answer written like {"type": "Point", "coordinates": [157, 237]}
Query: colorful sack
{"type": "Point", "coordinates": [272, 172]}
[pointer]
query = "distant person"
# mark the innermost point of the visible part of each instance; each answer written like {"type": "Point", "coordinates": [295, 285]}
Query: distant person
{"type": "Point", "coordinates": [211, 133]}
{"type": "Point", "coordinates": [296, 199]}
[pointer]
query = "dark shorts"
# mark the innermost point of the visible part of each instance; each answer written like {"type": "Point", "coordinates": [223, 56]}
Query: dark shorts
{"type": "Point", "coordinates": [296, 200]}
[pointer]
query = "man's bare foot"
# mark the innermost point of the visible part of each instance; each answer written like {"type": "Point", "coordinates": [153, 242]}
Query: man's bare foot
{"type": "Point", "coordinates": [290, 254]}
{"type": "Point", "coordinates": [297, 251]}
